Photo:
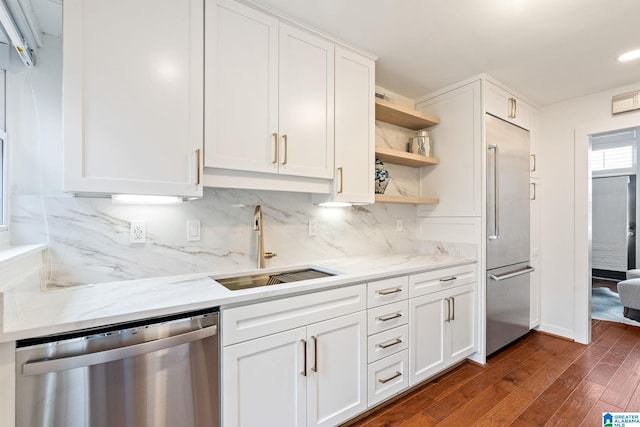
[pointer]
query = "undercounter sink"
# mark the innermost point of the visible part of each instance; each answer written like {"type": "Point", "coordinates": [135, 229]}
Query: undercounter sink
{"type": "Point", "coordinates": [236, 283]}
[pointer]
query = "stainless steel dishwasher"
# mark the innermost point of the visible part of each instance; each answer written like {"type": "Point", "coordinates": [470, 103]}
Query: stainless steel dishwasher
{"type": "Point", "coordinates": [160, 372]}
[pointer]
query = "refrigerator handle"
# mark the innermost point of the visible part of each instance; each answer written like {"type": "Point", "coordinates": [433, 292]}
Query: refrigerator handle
{"type": "Point", "coordinates": [500, 277]}
{"type": "Point", "coordinates": [496, 208]}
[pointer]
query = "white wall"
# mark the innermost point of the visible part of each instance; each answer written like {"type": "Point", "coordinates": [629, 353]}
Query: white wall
{"type": "Point", "coordinates": [565, 263]}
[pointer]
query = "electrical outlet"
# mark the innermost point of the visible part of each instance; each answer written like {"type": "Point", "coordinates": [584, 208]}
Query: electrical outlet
{"type": "Point", "coordinates": [138, 231]}
{"type": "Point", "coordinates": [399, 225]}
{"type": "Point", "coordinates": [313, 227]}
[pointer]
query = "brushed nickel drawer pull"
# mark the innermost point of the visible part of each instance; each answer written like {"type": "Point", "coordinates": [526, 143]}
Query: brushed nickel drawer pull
{"type": "Point", "coordinates": [393, 316]}
{"type": "Point", "coordinates": [391, 344]}
{"type": "Point", "coordinates": [449, 279]}
{"type": "Point", "coordinates": [304, 365]}
{"type": "Point", "coordinates": [393, 377]}
{"type": "Point", "coordinates": [390, 291]}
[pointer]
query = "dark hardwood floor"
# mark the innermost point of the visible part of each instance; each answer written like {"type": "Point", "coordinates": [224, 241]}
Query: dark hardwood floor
{"type": "Point", "coordinates": [541, 380]}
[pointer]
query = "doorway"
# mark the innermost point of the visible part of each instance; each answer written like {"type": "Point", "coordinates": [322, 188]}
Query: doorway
{"type": "Point", "coordinates": [583, 219]}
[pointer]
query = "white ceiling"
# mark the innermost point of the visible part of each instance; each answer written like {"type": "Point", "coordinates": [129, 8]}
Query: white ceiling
{"type": "Point", "coordinates": [548, 50]}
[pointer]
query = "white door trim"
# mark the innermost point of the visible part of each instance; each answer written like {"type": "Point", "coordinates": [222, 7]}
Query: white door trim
{"type": "Point", "coordinates": [582, 220]}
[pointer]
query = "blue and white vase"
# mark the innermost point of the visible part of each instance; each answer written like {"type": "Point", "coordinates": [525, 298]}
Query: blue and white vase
{"type": "Point", "coordinates": [382, 177]}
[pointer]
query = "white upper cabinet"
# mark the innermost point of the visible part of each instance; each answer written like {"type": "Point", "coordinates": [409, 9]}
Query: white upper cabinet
{"type": "Point", "coordinates": [306, 104]}
{"type": "Point", "coordinates": [269, 94]}
{"type": "Point", "coordinates": [241, 90]}
{"type": "Point", "coordinates": [354, 129]}
{"type": "Point", "coordinates": [133, 96]}
{"type": "Point", "coordinates": [507, 106]}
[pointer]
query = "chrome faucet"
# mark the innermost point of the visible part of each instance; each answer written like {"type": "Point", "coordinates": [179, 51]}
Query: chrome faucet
{"type": "Point", "coordinates": [257, 226]}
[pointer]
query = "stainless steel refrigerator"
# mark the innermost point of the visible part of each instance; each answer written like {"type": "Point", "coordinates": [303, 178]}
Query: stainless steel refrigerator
{"type": "Point", "coordinates": [508, 269]}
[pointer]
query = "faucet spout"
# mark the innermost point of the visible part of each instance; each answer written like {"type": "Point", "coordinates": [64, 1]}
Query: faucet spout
{"type": "Point", "coordinates": [257, 226]}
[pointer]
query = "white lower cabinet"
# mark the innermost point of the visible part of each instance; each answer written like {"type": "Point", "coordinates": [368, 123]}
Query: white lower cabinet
{"type": "Point", "coordinates": [337, 374]}
{"type": "Point", "coordinates": [441, 330]}
{"type": "Point", "coordinates": [313, 375]}
{"type": "Point", "coordinates": [262, 381]}
{"type": "Point", "coordinates": [322, 358]}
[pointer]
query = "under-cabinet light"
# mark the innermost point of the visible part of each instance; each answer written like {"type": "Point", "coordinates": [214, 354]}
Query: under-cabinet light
{"type": "Point", "coordinates": [335, 204]}
{"type": "Point", "coordinates": [629, 56]}
{"type": "Point", "coordinates": [135, 199]}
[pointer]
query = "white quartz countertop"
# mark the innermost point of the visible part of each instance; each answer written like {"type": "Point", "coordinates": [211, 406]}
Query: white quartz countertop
{"type": "Point", "coordinates": [33, 312]}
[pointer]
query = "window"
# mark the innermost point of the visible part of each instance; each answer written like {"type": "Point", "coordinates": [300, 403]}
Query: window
{"type": "Point", "coordinates": [614, 153]}
{"type": "Point", "coordinates": [612, 158]}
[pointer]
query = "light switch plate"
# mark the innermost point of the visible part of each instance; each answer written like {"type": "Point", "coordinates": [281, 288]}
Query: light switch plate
{"type": "Point", "coordinates": [193, 230]}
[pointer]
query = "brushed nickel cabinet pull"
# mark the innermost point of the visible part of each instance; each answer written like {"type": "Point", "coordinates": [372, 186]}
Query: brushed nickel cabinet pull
{"type": "Point", "coordinates": [304, 365]}
{"type": "Point", "coordinates": [515, 108]}
{"type": "Point", "coordinates": [535, 163]}
{"type": "Point", "coordinates": [340, 169]}
{"type": "Point", "coordinates": [390, 291]}
{"type": "Point", "coordinates": [276, 153]}
{"type": "Point", "coordinates": [198, 166]}
{"type": "Point", "coordinates": [314, 368]}
{"type": "Point", "coordinates": [449, 279]}
{"type": "Point", "coordinates": [391, 344]}
{"type": "Point", "coordinates": [393, 316]}
{"type": "Point", "coordinates": [453, 310]}
{"type": "Point", "coordinates": [535, 187]}
{"type": "Point", "coordinates": [393, 377]}
{"type": "Point", "coordinates": [512, 108]}
{"type": "Point", "coordinates": [286, 149]}
{"type": "Point", "coordinates": [448, 319]}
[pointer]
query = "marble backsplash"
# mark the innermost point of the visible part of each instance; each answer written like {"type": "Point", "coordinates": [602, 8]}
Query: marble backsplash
{"type": "Point", "coordinates": [89, 237]}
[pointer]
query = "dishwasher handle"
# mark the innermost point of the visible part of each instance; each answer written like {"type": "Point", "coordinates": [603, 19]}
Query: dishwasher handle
{"type": "Point", "coordinates": [46, 366]}
{"type": "Point", "coordinates": [500, 277]}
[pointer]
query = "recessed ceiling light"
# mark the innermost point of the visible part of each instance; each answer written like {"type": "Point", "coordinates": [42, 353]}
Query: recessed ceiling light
{"type": "Point", "coordinates": [634, 54]}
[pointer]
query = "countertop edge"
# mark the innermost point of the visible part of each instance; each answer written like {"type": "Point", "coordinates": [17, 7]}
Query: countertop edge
{"type": "Point", "coordinates": [211, 293]}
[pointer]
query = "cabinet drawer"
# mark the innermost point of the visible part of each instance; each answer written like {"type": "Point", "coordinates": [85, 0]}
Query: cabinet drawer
{"type": "Point", "coordinates": [387, 377]}
{"type": "Point", "coordinates": [265, 318]}
{"type": "Point", "coordinates": [387, 291]}
{"type": "Point", "coordinates": [387, 343]}
{"type": "Point", "coordinates": [433, 281]}
{"type": "Point", "coordinates": [387, 317]}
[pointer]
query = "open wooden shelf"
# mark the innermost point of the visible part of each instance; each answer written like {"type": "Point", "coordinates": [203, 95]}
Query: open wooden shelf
{"type": "Point", "coordinates": [384, 198]}
{"type": "Point", "coordinates": [402, 116]}
{"type": "Point", "coordinates": [397, 157]}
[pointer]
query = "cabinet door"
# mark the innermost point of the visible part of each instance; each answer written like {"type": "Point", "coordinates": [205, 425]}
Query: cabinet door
{"type": "Point", "coordinates": [501, 103]}
{"type": "Point", "coordinates": [457, 142]}
{"type": "Point", "coordinates": [241, 83]}
{"type": "Point", "coordinates": [354, 127]}
{"type": "Point", "coordinates": [461, 323]}
{"type": "Point", "coordinates": [534, 166]}
{"type": "Point", "coordinates": [427, 336]}
{"type": "Point", "coordinates": [306, 104]}
{"type": "Point", "coordinates": [263, 382]}
{"type": "Point", "coordinates": [132, 90]}
{"type": "Point", "coordinates": [337, 361]}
